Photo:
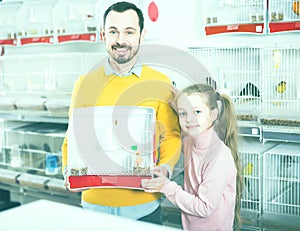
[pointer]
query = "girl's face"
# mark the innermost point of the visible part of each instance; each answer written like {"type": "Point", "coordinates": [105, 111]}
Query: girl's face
{"type": "Point", "coordinates": [194, 115]}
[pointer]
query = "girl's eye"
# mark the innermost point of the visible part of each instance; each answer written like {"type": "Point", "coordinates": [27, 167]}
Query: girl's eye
{"type": "Point", "coordinates": [197, 112]}
{"type": "Point", "coordinates": [182, 114]}
{"type": "Point", "coordinates": [129, 32]}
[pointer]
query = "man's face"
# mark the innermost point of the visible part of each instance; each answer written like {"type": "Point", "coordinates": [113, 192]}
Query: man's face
{"type": "Point", "coordinates": [122, 35]}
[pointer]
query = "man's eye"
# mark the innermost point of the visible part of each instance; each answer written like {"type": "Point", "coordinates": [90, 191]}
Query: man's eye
{"type": "Point", "coordinates": [112, 32]}
{"type": "Point", "coordinates": [197, 112]}
{"type": "Point", "coordinates": [129, 32]}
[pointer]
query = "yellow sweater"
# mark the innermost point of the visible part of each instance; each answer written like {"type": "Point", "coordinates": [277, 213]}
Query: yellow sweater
{"type": "Point", "coordinates": [151, 89]}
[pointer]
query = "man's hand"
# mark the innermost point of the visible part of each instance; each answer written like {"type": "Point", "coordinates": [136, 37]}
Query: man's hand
{"type": "Point", "coordinates": [67, 185]}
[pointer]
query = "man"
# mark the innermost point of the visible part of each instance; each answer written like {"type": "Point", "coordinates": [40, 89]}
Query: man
{"type": "Point", "coordinates": [125, 81]}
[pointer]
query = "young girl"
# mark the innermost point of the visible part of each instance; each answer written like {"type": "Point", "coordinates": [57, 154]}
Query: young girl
{"type": "Point", "coordinates": [213, 184]}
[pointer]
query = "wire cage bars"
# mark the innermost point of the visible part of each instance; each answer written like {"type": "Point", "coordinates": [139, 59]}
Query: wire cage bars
{"type": "Point", "coordinates": [282, 180]}
{"type": "Point", "coordinates": [280, 82]}
{"type": "Point", "coordinates": [237, 73]}
{"type": "Point", "coordinates": [251, 152]}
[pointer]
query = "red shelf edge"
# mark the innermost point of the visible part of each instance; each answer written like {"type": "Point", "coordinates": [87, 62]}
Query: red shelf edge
{"type": "Point", "coordinates": [92, 181]}
{"type": "Point", "coordinates": [284, 26]}
{"type": "Point", "coordinates": [257, 28]}
{"type": "Point", "coordinates": [12, 42]}
{"type": "Point", "coordinates": [44, 39]}
{"type": "Point", "coordinates": [76, 37]}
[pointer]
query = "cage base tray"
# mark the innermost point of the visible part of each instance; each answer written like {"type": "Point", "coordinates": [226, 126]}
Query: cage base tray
{"type": "Point", "coordinates": [107, 181]}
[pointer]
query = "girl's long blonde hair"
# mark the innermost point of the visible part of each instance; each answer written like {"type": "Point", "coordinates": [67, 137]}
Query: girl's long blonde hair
{"type": "Point", "coordinates": [226, 128]}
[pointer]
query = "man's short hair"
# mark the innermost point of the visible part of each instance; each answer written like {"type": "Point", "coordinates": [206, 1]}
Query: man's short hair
{"type": "Point", "coordinates": [122, 7]}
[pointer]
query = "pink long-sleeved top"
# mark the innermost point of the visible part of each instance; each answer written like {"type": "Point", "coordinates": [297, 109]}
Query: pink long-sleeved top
{"type": "Point", "coordinates": [208, 199]}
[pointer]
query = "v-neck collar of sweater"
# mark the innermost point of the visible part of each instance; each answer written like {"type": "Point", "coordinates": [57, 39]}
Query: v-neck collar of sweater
{"type": "Point", "coordinates": [136, 69]}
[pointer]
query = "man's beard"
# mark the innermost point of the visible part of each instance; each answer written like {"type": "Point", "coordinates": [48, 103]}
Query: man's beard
{"type": "Point", "coordinates": [121, 59]}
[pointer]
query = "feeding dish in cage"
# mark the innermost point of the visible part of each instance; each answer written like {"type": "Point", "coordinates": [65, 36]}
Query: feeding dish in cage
{"type": "Point", "coordinates": [110, 146]}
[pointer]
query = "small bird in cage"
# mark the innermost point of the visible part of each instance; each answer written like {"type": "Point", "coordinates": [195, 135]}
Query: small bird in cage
{"type": "Point", "coordinates": [296, 7]}
{"type": "Point", "coordinates": [277, 57]}
{"type": "Point", "coordinates": [248, 171]}
{"type": "Point", "coordinates": [281, 87]}
{"type": "Point", "coordinates": [249, 90]}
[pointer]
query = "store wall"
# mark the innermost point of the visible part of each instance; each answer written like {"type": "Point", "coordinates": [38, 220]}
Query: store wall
{"type": "Point", "coordinates": [178, 24]}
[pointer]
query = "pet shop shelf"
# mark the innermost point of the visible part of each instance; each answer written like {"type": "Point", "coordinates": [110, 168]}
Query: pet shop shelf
{"type": "Point", "coordinates": [45, 90]}
{"type": "Point", "coordinates": [38, 151]}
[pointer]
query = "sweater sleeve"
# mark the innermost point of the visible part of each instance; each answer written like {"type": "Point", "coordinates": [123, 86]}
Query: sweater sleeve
{"type": "Point", "coordinates": [169, 136]}
{"type": "Point", "coordinates": [209, 193]}
{"type": "Point", "coordinates": [74, 101]}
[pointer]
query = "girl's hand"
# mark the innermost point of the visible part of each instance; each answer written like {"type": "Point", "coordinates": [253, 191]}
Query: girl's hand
{"type": "Point", "coordinates": [156, 184]}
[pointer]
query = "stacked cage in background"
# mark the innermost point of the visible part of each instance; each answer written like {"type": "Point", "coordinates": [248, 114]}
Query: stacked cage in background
{"type": "Point", "coordinates": [251, 152]}
{"type": "Point", "coordinates": [262, 82]}
{"type": "Point", "coordinates": [282, 180]}
{"type": "Point", "coordinates": [281, 94]}
{"type": "Point", "coordinates": [255, 16]}
{"type": "Point", "coordinates": [237, 72]}
{"type": "Point", "coordinates": [234, 16]}
{"type": "Point", "coordinates": [283, 11]}
{"type": "Point", "coordinates": [281, 82]}
{"type": "Point", "coordinates": [234, 12]}
{"type": "Point", "coordinates": [264, 85]}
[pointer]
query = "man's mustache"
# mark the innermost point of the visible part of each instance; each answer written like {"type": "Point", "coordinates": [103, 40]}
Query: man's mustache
{"type": "Point", "coordinates": [116, 46]}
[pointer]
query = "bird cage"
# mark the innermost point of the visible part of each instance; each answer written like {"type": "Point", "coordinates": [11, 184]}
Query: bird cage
{"type": "Point", "coordinates": [284, 15]}
{"type": "Point", "coordinates": [232, 16]}
{"type": "Point", "coordinates": [281, 82]}
{"type": "Point", "coordinates": [237, 73]}
{"type": "Point", "coordinates": [282, 180]}
{"type": "Point", "coordinates": [8, 31]}
{"type": "Point", "coordinates": [110, 146]}
{"type": "Point", "coordinates": [35, 22]}
{"type": "Point", "coordinates": [251, 152]}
